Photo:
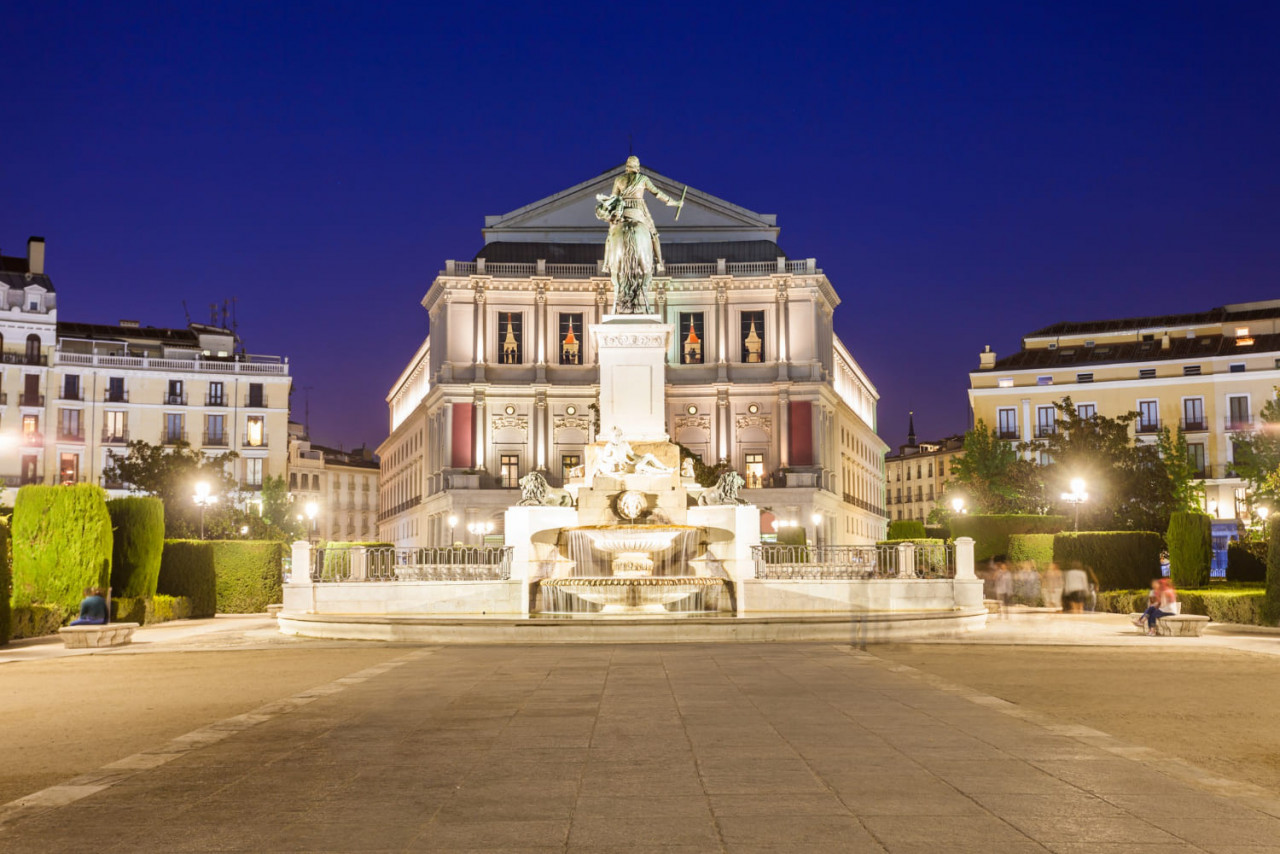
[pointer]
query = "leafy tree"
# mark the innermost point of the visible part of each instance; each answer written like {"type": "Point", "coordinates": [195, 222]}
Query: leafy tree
{"type": "Point", "coordinates": [278, 512]}
{"type": "Point", "coordinates": [994, 477]}
{"type": "Point", "coordinates": [1257, 455]}
{"type": "Point", "coordinates": [171, 473]}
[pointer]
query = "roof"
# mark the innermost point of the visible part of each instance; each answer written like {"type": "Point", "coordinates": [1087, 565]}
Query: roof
{"type": "Point", "coordinates": [502, 252]}
{"type": "Point", "coordinates": [16, 273]}
{"type": "Point", "coordinates": [945, 445]}
{"type": "Point", "coordinates": [107, 331]}
{"type": "Point", "coordinates": [1200, 347]}
{"type": "Point", "coordinates": [1222, 314]}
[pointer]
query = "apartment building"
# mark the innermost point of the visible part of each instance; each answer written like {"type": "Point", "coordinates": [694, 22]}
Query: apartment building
{"type": "Point", "coordinates": [1207, 372]}
{"type": "Point", "coordinates": [343, 485]}
{"type": "Point", "coordinates": [918, 473]}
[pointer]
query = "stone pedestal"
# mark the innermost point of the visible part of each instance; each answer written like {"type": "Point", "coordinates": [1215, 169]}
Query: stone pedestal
{"type": "Point", "coordinates": [631, 350]}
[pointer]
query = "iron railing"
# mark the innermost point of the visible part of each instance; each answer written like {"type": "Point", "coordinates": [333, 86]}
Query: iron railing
{"type": "Point", "coordinates": [390, 563]}
{"type": "Point", "coordinates": [777, 562]}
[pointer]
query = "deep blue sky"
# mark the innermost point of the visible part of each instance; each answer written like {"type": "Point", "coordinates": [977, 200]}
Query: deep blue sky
{"type": "Point", "coordinates": [964, 173]}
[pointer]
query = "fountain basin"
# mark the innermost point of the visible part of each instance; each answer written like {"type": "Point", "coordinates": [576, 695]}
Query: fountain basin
{"type": "Point", "coordinates": [634, 595]}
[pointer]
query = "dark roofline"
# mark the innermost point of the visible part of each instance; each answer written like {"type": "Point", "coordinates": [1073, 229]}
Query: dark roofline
{"type": "Point", "coordinates": [1220, 314]}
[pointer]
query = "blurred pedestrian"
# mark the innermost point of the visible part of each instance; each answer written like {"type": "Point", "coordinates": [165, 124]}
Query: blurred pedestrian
{"type": "Point", "coordinates": [1003, 584]}
{"type": "Point", "coordinates": [93, 608]}
{"type": "Point", "coordinates": [1075, 589]}
{"type": "Point", "coordinates": [1162, 602]}
{"type": "Point", "coordinates": [1052, 587]}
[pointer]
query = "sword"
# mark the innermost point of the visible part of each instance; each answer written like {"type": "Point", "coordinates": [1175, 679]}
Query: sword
{"type": "Point", "coordinates": [680, 206]}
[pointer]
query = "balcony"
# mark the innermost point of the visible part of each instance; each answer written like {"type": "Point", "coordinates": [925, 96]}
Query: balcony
{"type": "Point", "coordinates": [33, 439]}
{"type": "Point", "coordinates": [1011, 435]}
{"type": "Point", "coordinates": [1147, 427]}
{"type": "Point", "coordinates": [240, 364]}
{"type": "Point", "coordinates": [25, 399]}
{"type": "Point", "coordinates": [1239, 423]}
{"type": "Point", "coordinates": [74, 394]}
{"type": "Point", "coordinates": [1044, 431]}
{"type": "Point", "coordinates": [115, 437]}
{"type": "Point", "coordinates": [215, 400]}
{"type": "Point", "coordinates": [109, 396]}
{"type": "Point", "coordinates": [255, 403]}
{"type": "Point", "coordinates": [70, 437]}
{"type": "Point", "coordinates": [168, 438]}
{"type": "Point", "coordinates": [23, 359]}
{"type": "Point", "coordinates": [1194, 425]}
{"type": "Point", "coordinates": [175, 399]}
{"type": "Point", "coordinates": [214, 440]}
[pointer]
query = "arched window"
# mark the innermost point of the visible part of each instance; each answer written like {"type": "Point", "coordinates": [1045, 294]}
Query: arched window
{"type": "Point", "coordinates": [33, 349]}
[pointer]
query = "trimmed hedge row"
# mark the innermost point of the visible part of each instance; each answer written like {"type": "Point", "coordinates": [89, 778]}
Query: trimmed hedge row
{"type": "Point", "coordinates": [154, 609]}
{"type": "Point", "coordinates": [1246, 561]}
{"type": "Point", "coordinates": [1031, 548]}
{"type": "Point", "coordinates": [33, 621]}
{"type": "Point", "coordinates": [1222, 606]}
{"type": "Point", "coordinates": [137, 545]}
{"type": "Point", "coordinates": [905, 529]}
{"type": "Point", "coordinates": [1271, 608]}
{"type": "Point", "coordinates": [223, 576]}
{"type": "Point", "coordinates": [991, 532]}
{"type": "Point", "coordinates": [61, 544]}
{"type": "Point", "coordinates": [5, 583]}
{"type": "Point", "coordinates": [1190, 542]}
{"type": "Point", "coordinates": [1120, 560]}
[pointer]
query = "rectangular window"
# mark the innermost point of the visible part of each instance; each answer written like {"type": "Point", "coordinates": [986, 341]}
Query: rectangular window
{"type": "Point", "coordinates": [1084, 378]}
{"type": "Point", "coordinates": [30, 469]}
{"type": "Point", "coordinates": [752, 328]}
{"type": "Point", "coordinates": [1046, 418]}
{"type": "Point", "coordinates": [71, 387]}
{"type": "Point", "coordinates": [569, 462]}
{"type": "Point", "coordinates": [256, 398]}
{"type": "Point", "coordinates": [31, 395]}
{"type": "Point", "coordinates": [1237, 368]}
{"type": "Point", "coordinates": [69, 424]}
{"type": "Point", "coordinates": [215, 430]}
{"type": "Point", "coordinates": [113, 427]}
{"type": "Point", "coordinates": [253, 471]}
{"type": "Point", "coordinates": [293, 480]}
{"type": "Point", "coordinates": [175, 397]}
{"type": "Point", "coordinates": [1087, 410]}
{"type": "Point", "coordinates": [255, 432]}
{"type": "Point", "coordinates": [1005, 382]}
{"type": "Point", "coordinates": [510, 337]}
{"type": "Point", "coordinates": [1195, 455]}
{"type": "Point", "coordinates": [1044, 380]}
{"type": "Point", "coordinates": [69, 469]}
{"type": "Point", "coordinates": [1147, 373]}
{"type": "Point", "coordinates": [1043, 458]}
{"type": "Point", "coordinates": [31, 430]}
{"type": "Point", "coordinates": [1193, 413]}
{"type": "Point", "coordinates": [1148, 416]}
{"type": "Point", "coordinates": [1191, 370]}
{"type": "Point", "coordinates": [1238, 412]}
{"type": "Point", "coordinates": [115, 390]}
{"type": "Point", "coordinates": [1007, 423]}
{"type": "Point", "coordinates": [692, 335]}
{"type": "Point", "coordinates": [571, 332]}
{"type": "Point", "coordinates": [173, 429]}
{"type": "Point", "coordinates": [509, 470]}
{"type": "Point", "coordinates": [755, 471]}
{"type": "Point", "coordinates": [216, 395]}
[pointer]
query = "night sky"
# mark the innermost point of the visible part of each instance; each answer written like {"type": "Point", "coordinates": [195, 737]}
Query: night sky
{"type": "Point", "coordinates": [964, 173]}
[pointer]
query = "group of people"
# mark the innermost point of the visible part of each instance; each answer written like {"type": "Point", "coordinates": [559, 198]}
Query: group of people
{"type": "Point", "coordinates": [1073, 591]}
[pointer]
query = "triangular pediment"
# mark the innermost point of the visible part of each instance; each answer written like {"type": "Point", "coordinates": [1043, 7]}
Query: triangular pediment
{"type": "Point", "coordinates": [569, 216]}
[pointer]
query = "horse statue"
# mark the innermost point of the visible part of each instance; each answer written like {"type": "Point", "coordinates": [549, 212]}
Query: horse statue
{"type": "Point", "coordinates": [725, 491]}
{"type": "Point", "coordinates": [632, 251]}
{"type": "Point", "coordinates": [536, 492]}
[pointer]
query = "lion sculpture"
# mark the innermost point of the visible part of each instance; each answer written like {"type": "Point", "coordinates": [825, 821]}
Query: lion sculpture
{"type": "Point", "coordinates": [536, 492]}
{"type": "Point", "coordinates": [725, 491]}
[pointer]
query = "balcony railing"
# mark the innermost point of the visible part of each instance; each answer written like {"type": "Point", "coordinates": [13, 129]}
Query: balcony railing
{"type": "Point", "coordinates": [23, 359]}
{"type": "Point", "coordinates": [1194, 425]}
{"type": "Point", "coordinates": [242, 364]}
{"type": "Point", "coordinates": [1147, 427]}
{"type": "Point", "coordinates": [115, 437]}
{"type": "Point", "coordinates": [1238, 424]}
{"type": "Point", "coordinates": [76, 394]}
{"type": "Point", "coordinates": [1044, 431]}
{"type": "Point", "coordinates": [34, 438]}
{"type": "Point", "coordinates": [173, 438]}
{"type": "Point", "coordinates": [820, 563]}
{"type": "Point", "coordinates": [109, 396]}
{"type": "Point", "coordinates": [1011, 435]}
{"type": "Point", "coordinates": [175, 399]}
{"type": "Point", "coordinates": [591, 271]}
{"type": "Point", "coordinates": [70, 437]}
{"type": "Point", "coordinates": [25, 399]}
{"type": "Point", "coordinates": [385, 563]}
{"type": "Point", "coordinates": [214, 440]}
{"type": "Point", "coordinates": [255, 403]}
{"type": "Point", "coordinates": [215, 400]}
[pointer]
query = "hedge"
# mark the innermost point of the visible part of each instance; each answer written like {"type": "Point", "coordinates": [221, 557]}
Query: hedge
{"type": "Point", "coordinates": [1120, 560]}
{"type": "Point", "coordinates": [1271, 610]}
{"type": "Point", "coordinates": [905, 529]}
{"type": "Point", "coordinates": [1247, 561]}
{"type": "Point", "coordinates": [5, 583]}
{"type": "Point", "coordinates": [1245, 606]}
{"type": "Point", "coordinates": [138, 543]}
{"type": "Point", "coordinates": [33, 621]}
{"type": "Point", "coordinates": [1190, 541]}
{"type": "Point", "coordinates": [155, 609]}
{"type": "Point", "coordinates": [61, 544]}
{"type": "Point", "coordinates": [991, 532]}
{"type": "Point", "coordinates": [245, 574]}
{"type": "Point", "coordinates": [186, 570]}
{"type": "Point", "coordinates": [1031, 548]}
{"type": "Point", "coordinates": [937, 532]}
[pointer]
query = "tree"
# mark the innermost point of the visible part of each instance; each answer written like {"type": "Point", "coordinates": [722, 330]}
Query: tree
{"type": "Point", "coordinates": [1257, 455]}
{"type": "Point", "coordinates": [994, 477]}
{"type": "Point", "coordinates": [170, 473]}
{"type": "Point", "coordinates": [279, 512]}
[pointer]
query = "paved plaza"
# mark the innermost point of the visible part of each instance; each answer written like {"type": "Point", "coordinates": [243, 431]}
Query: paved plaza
{"type": "Point", "coordinates": [745, 748]}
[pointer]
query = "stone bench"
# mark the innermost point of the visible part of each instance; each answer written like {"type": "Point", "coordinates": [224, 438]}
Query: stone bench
{"type": "Point", "coordinates": [1177, 625]}
{"type": "Point", "coordinates": [96, 637]}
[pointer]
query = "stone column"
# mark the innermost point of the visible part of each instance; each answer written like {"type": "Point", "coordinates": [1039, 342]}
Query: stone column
{"type": "Point", "coordinates": [964, 559]}
{"type": "Point", "coordinates": [906, 560]}
{"type": "Point", "coordinates": [632, 350]}
{"type": "Point", "coordinates": [300, 573]}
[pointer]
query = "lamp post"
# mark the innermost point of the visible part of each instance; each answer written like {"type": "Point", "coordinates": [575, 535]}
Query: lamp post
{"type": "Point", "coordinates": [1076, 496]}
{"type": "Point", "coordinates": [312, 509]}
{"type": "Point", "coordinates": [453, 523]}
{"type": "Point", "coordinates": [203, 498]}
{"type": "Point", "coordinates": [480, 529]}
{"type": "Point", "coordinates": [957, 505]}
{"type": "Point", "coordinates": [1263, 512]}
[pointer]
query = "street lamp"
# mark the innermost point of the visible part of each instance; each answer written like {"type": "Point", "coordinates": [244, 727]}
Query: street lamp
{"type": "Point", "coordinates": [957, 505]}
{"type": "Point", "coordinates": [312, 509]}
{"type": "Point", "coordinates": [816, 519]}
{"type": "Point", "coordinates": [480, 529]}
{"type": "Point", "coordinates": [203, 498]}
{"type": "Point", "coordinates": [1076, 496]}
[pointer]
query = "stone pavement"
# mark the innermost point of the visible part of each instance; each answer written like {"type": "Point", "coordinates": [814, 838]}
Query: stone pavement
{"type": "Point", "coordinates": [643, 748]}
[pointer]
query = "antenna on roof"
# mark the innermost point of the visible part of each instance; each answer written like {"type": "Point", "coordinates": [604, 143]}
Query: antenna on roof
{"type": "Point", "coordinates": [213, 314]}
{"type": "Point", "coordinates": [187, 313]}
{"type": "Point", "coordinates": [306, 417]}
{"type": "Point", "coordinates": [235, 324]}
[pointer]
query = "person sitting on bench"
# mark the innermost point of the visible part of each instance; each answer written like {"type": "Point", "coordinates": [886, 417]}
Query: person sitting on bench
{"type": "Point", "coordinates": [1161, 603]}
{"type": "Point", "coordinates": [93, 608]}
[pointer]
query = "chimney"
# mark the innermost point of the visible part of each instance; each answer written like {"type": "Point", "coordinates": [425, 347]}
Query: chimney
{"type": "Point", "coordinates": [986, 359]}
{"type": "Point", "coordinates": [130, 324]}
{"type": "Point", "coordinates": [1164, 341]}
{"type": "Point", "coordinates": [35, 255]}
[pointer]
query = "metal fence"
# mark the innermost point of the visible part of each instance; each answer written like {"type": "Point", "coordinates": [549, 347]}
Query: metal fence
{"type": "Point", "coordinates": [388, 563]}
{"type": "Point", "coordinates": [836, 563]}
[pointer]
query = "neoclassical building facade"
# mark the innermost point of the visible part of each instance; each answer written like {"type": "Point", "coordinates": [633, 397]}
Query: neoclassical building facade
{"type": "Point", "coordinates": [507, 380]}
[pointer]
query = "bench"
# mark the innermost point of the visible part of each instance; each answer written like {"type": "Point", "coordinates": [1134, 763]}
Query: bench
{"type": "Point", "coordinates": [97, 637]}
{"type": "Point", "coordinates": [1176, 626]}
